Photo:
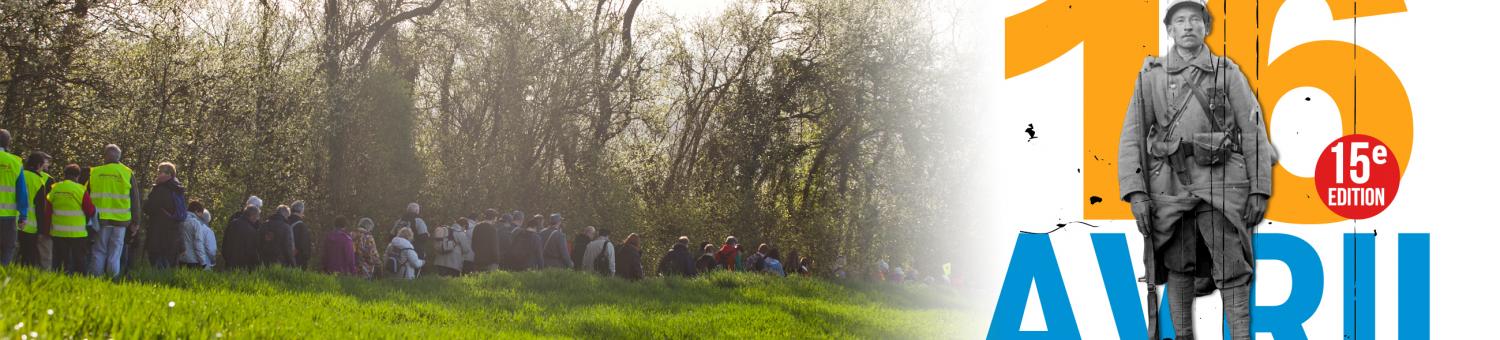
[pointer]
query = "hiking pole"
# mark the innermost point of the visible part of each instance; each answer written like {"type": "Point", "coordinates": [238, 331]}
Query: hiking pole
{"type": "Point", "coordinates": [1153, 305]}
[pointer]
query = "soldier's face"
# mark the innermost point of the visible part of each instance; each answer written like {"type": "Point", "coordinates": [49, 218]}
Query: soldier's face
{"type": "Point", "coordinates": [1187, 28]}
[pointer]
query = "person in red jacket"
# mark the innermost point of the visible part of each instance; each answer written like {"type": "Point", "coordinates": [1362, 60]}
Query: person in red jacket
{"type": "Point", "coordinates": [728, 254]}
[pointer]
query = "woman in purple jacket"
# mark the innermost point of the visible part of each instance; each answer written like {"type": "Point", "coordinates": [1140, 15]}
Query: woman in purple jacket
{"type": "Point", "coordinates": [338, 250]}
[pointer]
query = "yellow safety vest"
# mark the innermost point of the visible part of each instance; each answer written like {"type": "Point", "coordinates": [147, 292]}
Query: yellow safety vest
{"type": "Point", "coordinates": [109, 188]}
{"type": "Point", "coordinates": [10, 169]}
{"type": "Point", "coordinates": [34, 183]}
{"type": "Point", "coordinates": [66, 199]}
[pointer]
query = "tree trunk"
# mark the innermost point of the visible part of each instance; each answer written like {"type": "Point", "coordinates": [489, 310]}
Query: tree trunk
{"type": "Point", "coordinates": [333, 73]}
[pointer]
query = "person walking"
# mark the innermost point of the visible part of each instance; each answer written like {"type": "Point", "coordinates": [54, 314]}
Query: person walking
{"type": "Point", "coordinates": [241, 247]}
{"type": "Point", "coordinates": [366, 253]}
{"type": "Point", "coordinates": [276, 239]}
{"type": "Point", "coordinates": [677, 261]}
{"type": "Point", "coordinates": [403, 256]}
{"type": "Point", "coordinates": [302, 239]}
{"type": "Point", "coordinates": [628, 259]}
{"type": "Point", "coordinates": [166, 208]}
{"type": "Point", "coordinates": [14, 200]}
{"type": "Point", "coordinates": [728, 255]}
{"type": "Point", "coordinates": [111, 188]}
{"type": "Point", "coordinates": [447, 257]}
{"type": "Point", "coordinates": [412, 218]}
{"type": "Point", "coordinates": [555, 253]}
{"type": "Point", "coordinates": [506, 237]}
{"type": "Point", "coordinates": [68, 209]}
{"type": "Point", "coordinates": [757, 261]}
{"type": "Point", "coordinates": [485, 241]}
{"type": "Point", "coordinates": [197, 238]}
{"type": "Point", "coordinates": [338, 250]}
{"type": "Point", "coordinates": [35, 239]}
{"type": "Point", "coordinates": [773, 262]}
{"type": "Point", "coordinates": [706, 261]}
{"type": "Point", "coordinates": [599, 255]}
{"type": "Point", "coordinates": [464, 235]}
{"type": "Point", "coordinates": [526, 248]}
{"type": "Point", "coordinates": [580, 241]}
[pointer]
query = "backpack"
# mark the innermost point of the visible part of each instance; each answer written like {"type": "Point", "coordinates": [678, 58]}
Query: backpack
{"type": "Point", "coordinates": [394, 261]}
{"type": "Point", "coordinates": [298, 242]}
{"type": "Point", "coordinates": [601, 261]}
{"type": "Point", "coordinates": [757, 262]}
{"type": "Point", "coordinates": [773, 266]}
{"type": "Point", "coordinates": [444, 241]}
{"type": "Point", "coordinates": [293, 227]}
{"type": "Point", "coordinates": [547, 244]}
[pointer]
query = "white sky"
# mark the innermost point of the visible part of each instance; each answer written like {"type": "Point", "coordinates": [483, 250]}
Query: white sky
{"type": "Point", "coordinates": [687, 9]}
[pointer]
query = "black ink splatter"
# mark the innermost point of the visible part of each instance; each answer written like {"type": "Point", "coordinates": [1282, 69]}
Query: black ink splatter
{"type": "Point", "coordinates": [1095, 200]}
{"type": "Point", "coordinates": [1030, 132]}
{"type": "Point", "coordinates": [1060, 226]}
{"type": "Point", "coordinates": [1307, 99]}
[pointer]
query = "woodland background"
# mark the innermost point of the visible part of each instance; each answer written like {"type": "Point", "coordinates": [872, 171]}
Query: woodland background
{"type": "Point", "coordinates": [822, 126]}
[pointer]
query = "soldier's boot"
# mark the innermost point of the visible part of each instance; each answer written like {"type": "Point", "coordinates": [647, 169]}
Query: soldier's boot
{"type": "Point", "coordinates": [1237, 311]}
{"type": "Point", "coordinates": [1182, 292]}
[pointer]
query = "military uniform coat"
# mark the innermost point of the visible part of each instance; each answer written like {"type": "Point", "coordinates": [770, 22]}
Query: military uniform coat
{"type": "Point", "coordinates": [1162, 93]}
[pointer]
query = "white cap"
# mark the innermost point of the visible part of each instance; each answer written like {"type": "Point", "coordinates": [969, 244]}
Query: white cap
{"type": "Point", "coordinates": [254, 202]}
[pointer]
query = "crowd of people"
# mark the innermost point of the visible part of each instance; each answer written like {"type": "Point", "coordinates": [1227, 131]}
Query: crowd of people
{"type": "Point", "coordinates": [509, 241]}
{"type": "Point", "coordinates": [80, 222]}
{"type": "Point", "coordinates": [87, 221]}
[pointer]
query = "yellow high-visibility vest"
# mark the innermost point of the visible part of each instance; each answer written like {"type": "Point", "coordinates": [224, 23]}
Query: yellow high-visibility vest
{"type": "Point", "coordinates": [34, 183]}
{"type": "Point", "coordinates": [10, 169]}
{"type": "Point", "coordinates": [66, 199]}
{"type": "Point", "coordinates": [109, 188]}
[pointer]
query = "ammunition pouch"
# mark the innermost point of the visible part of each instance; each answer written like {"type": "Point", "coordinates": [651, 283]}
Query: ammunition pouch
{"type": "Point", "coordinates": [1211, 148]}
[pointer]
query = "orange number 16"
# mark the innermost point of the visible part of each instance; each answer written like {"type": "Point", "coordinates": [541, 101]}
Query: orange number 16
{"type": "Point", "coordinates": [1117, 35]}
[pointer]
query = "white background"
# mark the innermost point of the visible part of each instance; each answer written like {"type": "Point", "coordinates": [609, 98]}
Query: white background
{"type": "Point", "coordinates": [1445, 55]}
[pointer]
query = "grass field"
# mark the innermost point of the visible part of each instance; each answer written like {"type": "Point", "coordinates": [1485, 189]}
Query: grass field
{"type": "Point", "coordinates": [282, 303]}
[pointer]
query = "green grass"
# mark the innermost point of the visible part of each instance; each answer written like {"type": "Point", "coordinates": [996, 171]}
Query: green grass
{"type": "Point", "coordinates": [282, 303]}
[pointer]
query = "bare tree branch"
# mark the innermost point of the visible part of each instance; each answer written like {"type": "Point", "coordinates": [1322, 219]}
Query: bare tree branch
{"type": "Point", "coordinates": [381, 28]}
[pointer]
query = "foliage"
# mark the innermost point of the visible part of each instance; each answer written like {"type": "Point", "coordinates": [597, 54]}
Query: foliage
{"type": "Point", "coordinates": [815, 125]}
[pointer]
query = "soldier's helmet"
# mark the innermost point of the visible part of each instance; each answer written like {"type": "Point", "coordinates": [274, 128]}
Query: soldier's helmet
{"type": "Point", "coordinates": [1208, 19]}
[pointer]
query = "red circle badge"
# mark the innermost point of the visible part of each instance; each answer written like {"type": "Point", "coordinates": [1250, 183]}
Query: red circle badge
{"type": "Point", "coordinates": [1357, 176]}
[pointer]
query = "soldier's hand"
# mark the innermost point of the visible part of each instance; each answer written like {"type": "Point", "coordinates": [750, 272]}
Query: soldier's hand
{"type": "Point", "coordinates": [1140, 206]}
{"type": "Point", "coordinates": [1255, 210]}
